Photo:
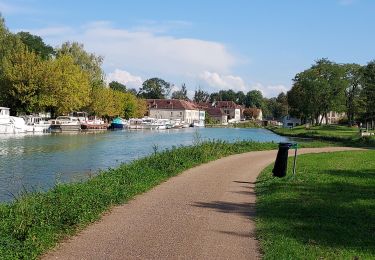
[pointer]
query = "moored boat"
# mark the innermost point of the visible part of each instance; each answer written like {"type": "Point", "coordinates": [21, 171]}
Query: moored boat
{"type": "Point", "coordinates": [118, 123]}
{"type": "Point", "coordinates": [11, 124]}
{"type": "Point", "coordinates": [94, 123]}
{"type": "Point", "coordinates": [36, 124]}
{"type": "Point", "coordinates": [65, 124]}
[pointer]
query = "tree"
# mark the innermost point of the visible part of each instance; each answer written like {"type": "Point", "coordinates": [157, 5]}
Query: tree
{"type": "Point", "coordinates": [180, 94]}
{"type": "Point", "coordinates": [155, 88]}
{"type": "Point", "coordinates": [254, 98]}
{"type": "Point", "coordinates": [369, 90]}
{"type": "Point", "coordinates": [318, 90]}
{"type": "Point", "coordinates": [35, 43]}
{"type": "Point", "coordinates": [88, 62]}
{"type": "Point", "coordinates": [23, 81]}
{"type": "Point", "coordinates": [201, 96]}
{"type": "Point", "coordinates": [68, 88]}
{"type": "Point", "coordinates": [251, 113]}
{"type": "Point", "coordinates": [228, 95]}
{"type": "Point", "coordinates": [354, 103]}
{"type": "Point", "coordinates": [240, 98]}
{"type": "Point", "coordinates": [117, 86]}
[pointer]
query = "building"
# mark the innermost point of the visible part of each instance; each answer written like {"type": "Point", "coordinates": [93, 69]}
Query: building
{"type": "Point", "coordinates": [175, 109]}
{"type": "Point", "coordinates": [332, 118]}
{"type": "Point", "coordinates": [217, 115]}
{"type": "Point", "coordinates": [231, 109]}
{"type": "Point", "coordinates": [289, 121]}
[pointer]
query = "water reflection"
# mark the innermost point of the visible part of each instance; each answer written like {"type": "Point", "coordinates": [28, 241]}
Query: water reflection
{"type": "Point", "coordinates": [39, 161]}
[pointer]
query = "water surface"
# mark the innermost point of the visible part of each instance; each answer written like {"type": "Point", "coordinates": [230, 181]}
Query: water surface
{"type": "Point", "coordinates": [37, 162]}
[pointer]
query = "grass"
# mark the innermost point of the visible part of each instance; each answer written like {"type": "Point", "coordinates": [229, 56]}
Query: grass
{"type": "Point", "coordinates": [346, 135]}
{"type": "Point", "coordinates": [35, 222]}
{"type": "Point", "coordinates": [326, 212]}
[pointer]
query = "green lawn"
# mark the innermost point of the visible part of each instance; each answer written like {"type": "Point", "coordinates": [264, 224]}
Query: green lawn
{"type": "Point", "coordinates": [347, 135]}
{"type": "Point", "coordinates": [326, 212]}
{"type": "Point", "coordinates": [324, 130]}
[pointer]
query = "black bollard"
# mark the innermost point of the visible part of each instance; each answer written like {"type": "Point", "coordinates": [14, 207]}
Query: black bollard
{"type": "Point", "coordinates": [281, 163]}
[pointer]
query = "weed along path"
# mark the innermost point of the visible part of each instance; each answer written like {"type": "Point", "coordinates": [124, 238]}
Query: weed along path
{"type": "Point", "coordinates": [204, 213]}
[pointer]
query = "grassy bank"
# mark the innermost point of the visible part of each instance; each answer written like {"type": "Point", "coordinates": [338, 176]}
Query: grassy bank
{"type": "Point", "coordinates": [346, 135]}
{"type": "Point", "coordinates": [326, 212]}
{"type": "Point", "coordinates": [36, 222]}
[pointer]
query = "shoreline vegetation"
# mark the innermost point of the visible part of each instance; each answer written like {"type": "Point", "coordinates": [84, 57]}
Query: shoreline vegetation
{"type": "Point", "coordinates": [327, 211]}
{"type": "Point", "coordinates": [36, 222]}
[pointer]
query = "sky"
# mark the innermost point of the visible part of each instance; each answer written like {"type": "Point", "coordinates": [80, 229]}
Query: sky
{"type": "Point", "coordinates": [211, 44]}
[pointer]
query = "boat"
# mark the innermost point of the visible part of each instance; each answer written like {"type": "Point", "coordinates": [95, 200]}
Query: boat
{"type": "Point", "coordinates": [65, 124]}
{"type": "Point", "coordinates": [11, 124]}
{"type": "Point", "coordinates": [199, 123]}
{"type": "Point", "coordinates": [94, 123]}
{"type": "Point", "coordinates": [118, 123]}
{"type": "Point", "coordinates": [149, 123]}
{"type": "Point", "coordinates": [135, 123]}
{"type": "Point", "coordinates": [36, 124]}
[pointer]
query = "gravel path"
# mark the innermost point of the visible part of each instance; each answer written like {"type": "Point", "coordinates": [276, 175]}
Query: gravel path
{"type": "Point", "coordinates": [205, 213]}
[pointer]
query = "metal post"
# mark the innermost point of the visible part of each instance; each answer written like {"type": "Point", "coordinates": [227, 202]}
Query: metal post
{"type": "Point", "coordinates": [295, 159]}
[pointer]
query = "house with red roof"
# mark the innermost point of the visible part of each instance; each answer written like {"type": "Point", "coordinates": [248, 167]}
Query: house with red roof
{"type": "Point", "coordinates": [231, 109]}
{"type": "Point", "coordinates": [176, 109]}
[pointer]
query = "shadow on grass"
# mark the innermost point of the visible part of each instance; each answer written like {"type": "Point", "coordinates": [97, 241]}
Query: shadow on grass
{"type": "Point", "coordinates": [339, 214]}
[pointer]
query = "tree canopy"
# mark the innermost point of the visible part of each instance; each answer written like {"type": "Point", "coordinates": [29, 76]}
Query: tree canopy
{"type": "Point", "coordinates": [35, 43]}
{"type": "Point", "coordinates": [181, 93]}
{"type": "Point", "coordinates": [155, 88]}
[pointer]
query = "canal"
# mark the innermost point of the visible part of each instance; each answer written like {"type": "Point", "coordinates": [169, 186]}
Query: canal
{"type": "Point", "coordinates": [37, 162]}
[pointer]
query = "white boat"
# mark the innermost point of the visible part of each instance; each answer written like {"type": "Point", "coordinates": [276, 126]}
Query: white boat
{"type": "Point", "coordinates": [199, 123]}
{"type": "Point", "coordinates": [11, 124]}
{"type": "Point", "coordinates": [135, 123]}
{"type": "Point", "coordinates": [148, 122]}
{"type": "Point", "coordinates": [65, 124]}
{"type": "Point", "coordinates": [36, 124]}
{"type": "Point", "coordinates": [94, 123]}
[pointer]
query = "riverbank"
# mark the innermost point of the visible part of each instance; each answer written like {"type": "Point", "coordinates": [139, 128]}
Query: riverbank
{"type": "Point", "coordinates": [348, 136]}
{"type": "Point", "coordinates": [35, 222]}
{"type": "Point", "coordinates": [327, 211]}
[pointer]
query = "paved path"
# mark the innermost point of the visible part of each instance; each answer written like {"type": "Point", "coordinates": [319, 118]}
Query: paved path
{"type": "Point", "coordinates": [204, 213]}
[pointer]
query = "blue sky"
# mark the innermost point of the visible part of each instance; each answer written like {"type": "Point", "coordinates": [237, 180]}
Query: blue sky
{"type": "Point", "coordinates": [222, 44]}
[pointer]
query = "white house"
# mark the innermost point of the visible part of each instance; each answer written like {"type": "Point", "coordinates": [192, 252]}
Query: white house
{"type": "Point", "coordinates": [231, 109]}
{"type": "Point", "coordinates": [289, 121]}
{"type": "Point", "coordinates": [176, 109]}
{"type": "Point", "coordinates": [332, 118]}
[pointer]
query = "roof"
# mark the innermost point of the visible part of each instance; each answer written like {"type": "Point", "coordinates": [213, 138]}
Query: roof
{"type": "Point", "coordinates": [215, 111]}
{"type": "Point", "coordinates": [171, 104]}
{"type": "Point", "coordinates": [227, 104]}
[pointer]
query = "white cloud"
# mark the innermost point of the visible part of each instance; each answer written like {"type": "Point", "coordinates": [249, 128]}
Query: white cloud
{"type": "Point", "coordinates": [125, 78]}
{"type": "Point", "coordinates": [218, 81]}
{"type": "Point", "coordinates": [144, 51]}
{"type": "Point", "coordinates": [236, 83]}
{"type": "Point", "coordinates": [269, 90]}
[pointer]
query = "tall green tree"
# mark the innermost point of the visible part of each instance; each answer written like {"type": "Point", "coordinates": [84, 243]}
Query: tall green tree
{"type": "Point", "coordinates": [320, 89]}
{"type": "Point", "coordinates": [369, 91]}
{"type": "Point", "coordinates": [117, 86]}
{"type": "Point", "coordinates": [240, 98]}
{"type": "Point", "coordinates": [24, 81]}
{"type": "Point", "coordinates": [254, 98]}
{"type": "Point", "coordinates": [155, 88]}
{"type": "Point", "coordinates": [180, 94]}
{"type": "Point", "coordinates": [69, 86]}
{"type": "Point", "coordinates": [88, 62]}
{"type": "Point", "coordinates": [354, 102]}
{"type": "Point", "coordinates": [200, 95]}
{"type": "Point", "coordinates": [36, 44]}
